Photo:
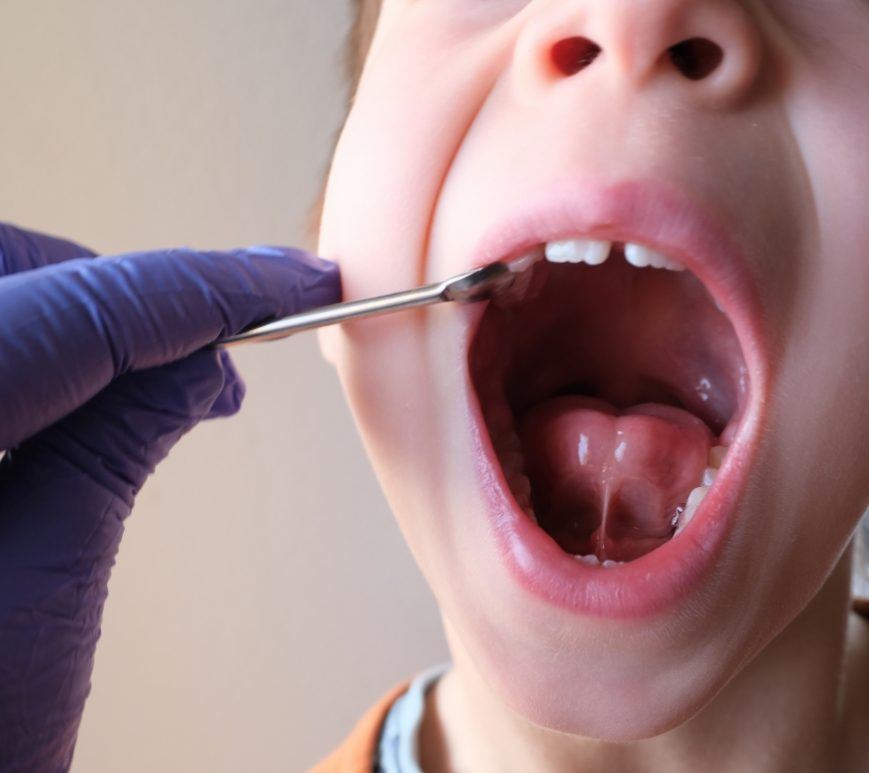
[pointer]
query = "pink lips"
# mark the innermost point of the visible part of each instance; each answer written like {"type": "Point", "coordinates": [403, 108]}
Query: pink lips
{"type": "Point", "coordinates": [655, 216]}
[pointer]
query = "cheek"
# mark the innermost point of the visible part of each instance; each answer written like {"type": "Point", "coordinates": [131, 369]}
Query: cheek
{"type": "Point", "coordinates": [423, 84]}
{"type": "Point", "coordinates": [821, 416]}
{"type": "Point", "coordinates": [830, 340]}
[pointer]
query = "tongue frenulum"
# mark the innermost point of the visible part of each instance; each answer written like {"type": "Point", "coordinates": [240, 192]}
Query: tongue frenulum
{"type": "Point", "coordinates": [609, 482]}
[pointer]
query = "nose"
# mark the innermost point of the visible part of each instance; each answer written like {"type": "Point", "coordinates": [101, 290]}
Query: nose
{"type": "Point", "coordinates": [709, 49]}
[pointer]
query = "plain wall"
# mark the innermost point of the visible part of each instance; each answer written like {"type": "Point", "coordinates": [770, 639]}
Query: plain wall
{"type": "Point", "coordinates": [263, 597]}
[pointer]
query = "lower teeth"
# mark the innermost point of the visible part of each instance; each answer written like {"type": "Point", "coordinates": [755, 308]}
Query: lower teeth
{"type": "Point", "coordinates": [695, 498]}
{"type": "Point", "coordinates": [685, 514]}
{"type": "Point", "coordinates": [593, 560]}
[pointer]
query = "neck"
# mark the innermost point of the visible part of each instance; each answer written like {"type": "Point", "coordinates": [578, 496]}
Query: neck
{"type": "Point", "coordinates": [788, 710]}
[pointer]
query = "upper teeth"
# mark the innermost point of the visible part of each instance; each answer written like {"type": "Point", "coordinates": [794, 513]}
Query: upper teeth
{"type": "Point", "coordinates": [640, 256]}
{"type": "Point", "coordinates": [578, 251]}
{"type": "Point", "coordinates": [595, 252]}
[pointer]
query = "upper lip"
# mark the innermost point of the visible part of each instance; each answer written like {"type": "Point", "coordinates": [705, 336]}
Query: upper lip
{"type": "Point", "coordinates": [657, 216]}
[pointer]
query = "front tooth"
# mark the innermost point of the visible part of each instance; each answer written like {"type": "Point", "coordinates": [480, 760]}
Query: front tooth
{"type": "Point", "coordinates": [636, 255]}
{"type": "Point", "coordinates": [640, 256]}
{"type": "Point", "coordinates": [709, 476]}
{"type": "Point", "coordinates": [578, 251]}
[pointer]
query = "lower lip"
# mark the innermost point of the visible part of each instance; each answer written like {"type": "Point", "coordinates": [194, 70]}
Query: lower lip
{"type": "Point", "coordinates": [649, 585]}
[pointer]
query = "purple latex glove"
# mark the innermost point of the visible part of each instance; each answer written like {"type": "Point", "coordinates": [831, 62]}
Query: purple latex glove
{"type": "Point", "coordinates": [102, 370]}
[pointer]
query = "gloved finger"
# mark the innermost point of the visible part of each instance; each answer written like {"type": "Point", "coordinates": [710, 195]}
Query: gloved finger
{"type": "Point", "coordinates": [64, 496]}
{"type": "Point", "coordinates": [68, 330]}
{"type": "Point", "coordinates": [22, 250]}
{"type": "Point", "coordinates": [63, 492]}
{"type": "Point", "coordinates": [228, 402]}
{"type": "Point", "coordinates": [120, 436]}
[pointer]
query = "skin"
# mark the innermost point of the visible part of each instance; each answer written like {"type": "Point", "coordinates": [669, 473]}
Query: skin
{"type": "Point", "coordinates": [456, 120]}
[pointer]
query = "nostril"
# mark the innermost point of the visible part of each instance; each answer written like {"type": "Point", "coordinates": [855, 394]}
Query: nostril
{"type": "Point", "coordinates": [574, 54]}
{"type": "Point", "coordinates": [696, 58]}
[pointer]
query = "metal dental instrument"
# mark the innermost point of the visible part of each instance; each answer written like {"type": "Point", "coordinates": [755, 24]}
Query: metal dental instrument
{"type": "Point", "coordinates": [476, 285]}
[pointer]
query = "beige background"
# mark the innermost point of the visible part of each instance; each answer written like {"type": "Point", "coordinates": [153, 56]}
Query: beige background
{"type": "Point", "coordinates": [262, 597]}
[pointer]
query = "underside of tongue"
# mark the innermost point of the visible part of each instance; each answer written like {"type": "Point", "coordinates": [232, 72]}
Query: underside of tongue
{"type": "Point", "coordinates": [609, 482]}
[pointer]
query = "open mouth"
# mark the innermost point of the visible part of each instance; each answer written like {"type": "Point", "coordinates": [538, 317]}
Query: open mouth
{"type": "Point", "coordinates": [612, 386]}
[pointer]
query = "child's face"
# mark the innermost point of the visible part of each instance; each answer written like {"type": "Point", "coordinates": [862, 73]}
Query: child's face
{"type": "Point", "coordinates": [478, 134]}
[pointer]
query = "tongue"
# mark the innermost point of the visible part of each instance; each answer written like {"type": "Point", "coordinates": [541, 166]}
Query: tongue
{"type": "Point", "coordinates": [609, 482]}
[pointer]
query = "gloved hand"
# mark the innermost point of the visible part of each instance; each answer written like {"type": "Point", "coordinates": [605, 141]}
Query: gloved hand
{"type": "Point", "coordinates": [102, 370]}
